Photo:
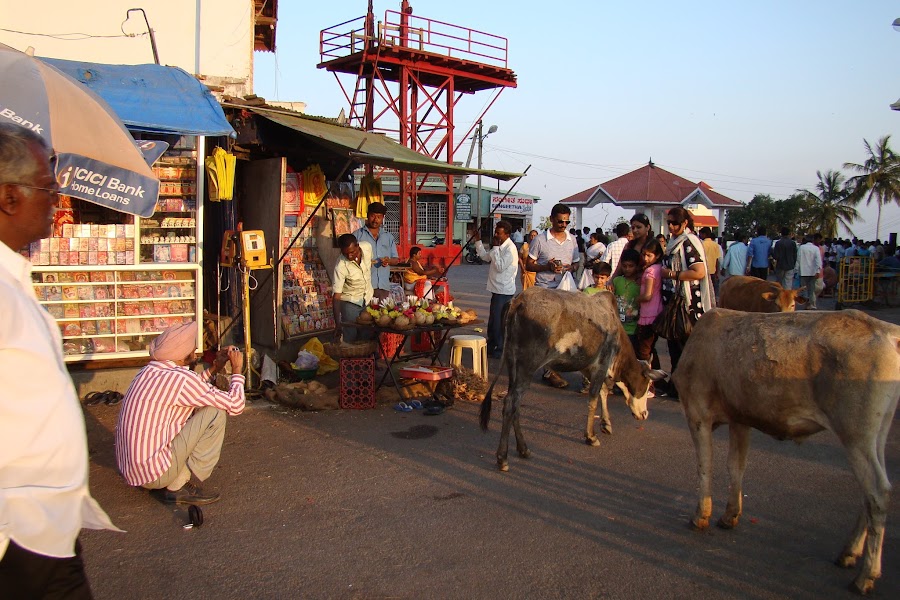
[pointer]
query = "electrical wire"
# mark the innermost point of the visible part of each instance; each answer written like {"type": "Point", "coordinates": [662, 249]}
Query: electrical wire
{"type": "Point", "coordinates": [66, 37]}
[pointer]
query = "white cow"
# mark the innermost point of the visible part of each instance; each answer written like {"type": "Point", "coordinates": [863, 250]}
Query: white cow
{"type": "Point", "coordinates": [793, 375]}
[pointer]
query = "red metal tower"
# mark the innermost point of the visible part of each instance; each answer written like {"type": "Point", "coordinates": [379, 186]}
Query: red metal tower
{"type": "Point", "coordinates": [409, 75]}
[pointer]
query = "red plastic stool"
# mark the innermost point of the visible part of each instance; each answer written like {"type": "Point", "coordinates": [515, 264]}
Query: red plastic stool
{"type": "Point", "coordinates": [421, 342]}
{"type": "Point", "coordinates": [441, 291]}
{"type": "Point", "coordinates": [357, 376]}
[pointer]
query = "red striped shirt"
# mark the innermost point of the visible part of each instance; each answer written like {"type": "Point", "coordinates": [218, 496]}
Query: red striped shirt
{"type": "Point", "coordinates": [157, 404]}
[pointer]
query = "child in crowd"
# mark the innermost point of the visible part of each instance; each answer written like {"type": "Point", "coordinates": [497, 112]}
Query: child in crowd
{"type": "Point", "coordinates": [650, 300]}
{"type": "Point", "coordinates": [601, 272]}
{"type": "Point", "coordinates": [627, 289]}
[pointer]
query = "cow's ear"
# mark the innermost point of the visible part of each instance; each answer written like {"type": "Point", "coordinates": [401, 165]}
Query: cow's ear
{"type": "Point", "coordinates": [658, 375]}
{"type": "Point", "coordinates": [768, 296]}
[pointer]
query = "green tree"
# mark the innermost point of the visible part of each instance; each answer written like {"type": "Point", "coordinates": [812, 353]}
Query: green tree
{"type": "Point", "coordinates": [831, 205]}
{"type": "Point", "coordinates": [763, 210]}
{"type": "Point", "coordinates": [544, 224]}
{"type": "Point", "coordinates": [878, 179]}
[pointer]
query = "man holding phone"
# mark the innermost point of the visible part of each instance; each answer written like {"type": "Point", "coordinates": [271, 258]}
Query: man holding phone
{"type": "Point", "coordinates": [551, 255]}
{"type": "Point", "coordinates": [172, 422]}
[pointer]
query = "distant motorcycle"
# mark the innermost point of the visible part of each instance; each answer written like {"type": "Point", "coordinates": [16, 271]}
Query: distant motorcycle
{"type": "Point", "coordinates": [472, 257]}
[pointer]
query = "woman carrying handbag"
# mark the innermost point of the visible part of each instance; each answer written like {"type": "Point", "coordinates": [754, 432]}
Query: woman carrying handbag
{"type": "Point", "coordinates": [686, 292]}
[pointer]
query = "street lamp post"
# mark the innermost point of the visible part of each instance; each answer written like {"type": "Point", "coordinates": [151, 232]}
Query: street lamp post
{"type": "Point", "coordinates": [480, 137]}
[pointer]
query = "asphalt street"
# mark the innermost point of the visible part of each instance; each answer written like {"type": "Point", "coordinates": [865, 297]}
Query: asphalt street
{"type": "Point", "coordinates": [383, 504]}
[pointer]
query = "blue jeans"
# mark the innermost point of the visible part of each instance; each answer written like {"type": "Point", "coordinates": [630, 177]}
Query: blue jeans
{"type": "Point", "coordinates": [499, 303]}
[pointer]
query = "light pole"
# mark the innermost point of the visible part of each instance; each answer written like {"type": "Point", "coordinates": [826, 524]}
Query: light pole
{"type": "Point", "coordinates": [480, 137]}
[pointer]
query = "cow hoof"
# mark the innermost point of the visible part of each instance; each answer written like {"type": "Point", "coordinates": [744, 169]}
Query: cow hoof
{"type": "Point", "coordinates": [727, 522]}
{"type": "Point", "coordinates": [699, 524]}
{"type": "Point", "coordinates": [503, 466]}
{"type": "Point", "coordinates": [526, 453]}
{"type": "Point", "coordinates": [846, 561]}
{"type": "Point", "coordinates": [592, 441]}
{"type": "Point", "coordinates": [862, 585]}
{"type": "Point", "coordinates": [605, 428]}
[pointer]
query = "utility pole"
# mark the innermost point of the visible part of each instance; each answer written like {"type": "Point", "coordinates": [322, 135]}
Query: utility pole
{"type": "Point", "coordinates": [480, 136]}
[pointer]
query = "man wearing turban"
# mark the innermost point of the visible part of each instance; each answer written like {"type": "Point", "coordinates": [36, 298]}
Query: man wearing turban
{"type": "Point", "coordinates": [172, 422]}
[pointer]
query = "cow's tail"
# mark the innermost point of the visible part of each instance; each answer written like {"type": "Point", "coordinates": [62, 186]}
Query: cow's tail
{"type": "Point", "coordinates": [485, 414]}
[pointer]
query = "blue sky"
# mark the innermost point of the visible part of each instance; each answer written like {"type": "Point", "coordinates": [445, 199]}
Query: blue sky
{"type": "Point", "coordinates": [751, 97]}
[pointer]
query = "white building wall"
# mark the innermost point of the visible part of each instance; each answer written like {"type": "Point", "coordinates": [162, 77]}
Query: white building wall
{"type": "Point", "coordinates": [210, 38]}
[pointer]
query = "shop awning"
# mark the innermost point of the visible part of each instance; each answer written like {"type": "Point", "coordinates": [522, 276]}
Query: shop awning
{"type": "Point", "coordinates": [378, 149]}
{"type": "Point", "coordinates": [152, 97]}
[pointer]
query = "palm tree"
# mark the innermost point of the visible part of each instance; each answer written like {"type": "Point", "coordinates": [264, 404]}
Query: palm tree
{"type": "Point", "coordinates": [878, 179]}
{"type": "Point", "coordinates": [832, 205]}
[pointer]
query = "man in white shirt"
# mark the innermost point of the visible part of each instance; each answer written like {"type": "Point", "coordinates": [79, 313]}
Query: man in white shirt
{"type": "Point", "coordinates": [352, 285]}
{"type": "Point", "coordinates": [44, 496]}
{"type": "Point", "coordinates": [518, 238]}
{"type": "Point", "coordinates": [614, 250]}
{"type": "Point", "coordinates": [504, 261]}
{"type": "Point", "coordinates": [810, 261]}
{"type": "Point", "coordinates": [550, 256]}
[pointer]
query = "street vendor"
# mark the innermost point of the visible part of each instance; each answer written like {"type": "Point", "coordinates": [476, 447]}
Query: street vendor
{"type": "Point", "coordinates": [352, 284]}
{"type": "Point", "coordinates": [384, 249]}
{"type": "Point", "coordinates": [172, 423]}
{"type": "Point", "coordinates": [417, 272]}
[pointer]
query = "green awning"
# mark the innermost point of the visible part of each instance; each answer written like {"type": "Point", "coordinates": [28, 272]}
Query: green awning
{"type": "Point", "coordinates": [378, 149]}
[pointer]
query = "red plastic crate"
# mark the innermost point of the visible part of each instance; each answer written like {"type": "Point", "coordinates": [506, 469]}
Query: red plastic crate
{"type": "Point", "coordinates": [357, 376]}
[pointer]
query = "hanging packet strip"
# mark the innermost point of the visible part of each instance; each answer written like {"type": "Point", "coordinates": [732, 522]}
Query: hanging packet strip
{"type": "Point", "coordinates": [369, 192]}
{"type": "Point", "coordinates": [312, 184]}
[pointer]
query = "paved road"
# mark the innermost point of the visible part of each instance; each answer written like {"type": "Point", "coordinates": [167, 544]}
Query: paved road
{"type": "Point", "coordinates": [381, 504]}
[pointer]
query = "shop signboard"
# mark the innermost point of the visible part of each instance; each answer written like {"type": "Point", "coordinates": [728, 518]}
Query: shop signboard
{"type": "Point", "coordinates": [512, 205]}
{"type": "Point", "coordinates": [463, 210]}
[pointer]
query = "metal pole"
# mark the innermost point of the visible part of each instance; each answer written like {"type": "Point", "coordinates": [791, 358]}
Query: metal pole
{"type": "Point", "coordinates": [478, 195]}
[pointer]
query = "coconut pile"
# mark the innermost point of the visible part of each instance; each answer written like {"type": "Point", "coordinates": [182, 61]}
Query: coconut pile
{"type": "Point", "coordinates": [415, 312]}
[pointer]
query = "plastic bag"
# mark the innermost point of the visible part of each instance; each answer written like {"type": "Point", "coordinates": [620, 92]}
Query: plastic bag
{"type": "Point", "coordinates": [568, 283]}
{"type": "Point", "coordinates": [306, 360]}
{"type": "Point", "coordinates": [326, 363]}
{"type": "Point", "coordinates": [587, 280]}
{"type": "Point", "coordinates": [819, 286]}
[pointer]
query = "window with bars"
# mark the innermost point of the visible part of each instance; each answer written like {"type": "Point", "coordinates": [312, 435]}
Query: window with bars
{"type": "Point", "coordinates": [392, 217]}
{"type": "Point", "coordinates": [431, 216]}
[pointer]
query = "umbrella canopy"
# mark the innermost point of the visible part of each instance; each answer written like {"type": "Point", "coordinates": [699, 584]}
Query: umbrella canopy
{"type": "Point", "coordinates": [97, 159]}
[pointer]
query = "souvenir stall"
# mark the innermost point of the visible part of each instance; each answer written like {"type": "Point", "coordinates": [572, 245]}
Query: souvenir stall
{"type": "Point", "coordinates": [115, 280]}
{"type": "Point", "coordinates": [285, 161]}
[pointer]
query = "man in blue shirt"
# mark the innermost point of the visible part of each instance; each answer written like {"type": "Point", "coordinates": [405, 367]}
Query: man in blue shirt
{"type": "Point", "coordinates": [384, 249]}
{"type": "Point", "coordinates": [760, 249]}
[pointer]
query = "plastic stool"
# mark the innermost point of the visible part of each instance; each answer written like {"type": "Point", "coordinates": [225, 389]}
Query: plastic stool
{"type": "Point", "coordinates": [477, 344]}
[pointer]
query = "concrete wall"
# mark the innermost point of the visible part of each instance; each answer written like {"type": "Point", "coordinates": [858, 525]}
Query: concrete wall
{"type": "Point", "coordinates": [212, 38]}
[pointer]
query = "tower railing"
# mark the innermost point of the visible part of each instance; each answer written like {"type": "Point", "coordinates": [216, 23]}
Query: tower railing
{"type": "Point", "coordinates": [419, 33]}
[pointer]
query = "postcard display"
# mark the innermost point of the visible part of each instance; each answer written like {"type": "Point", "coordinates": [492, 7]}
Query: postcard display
{"type": "Point", "coordinates": [305, 300]}
{"type": "Point", "coordinates": [113, 281]}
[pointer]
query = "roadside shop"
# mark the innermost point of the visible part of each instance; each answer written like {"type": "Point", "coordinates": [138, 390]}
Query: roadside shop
{"type": "Point", "coordinates": [114, 280]}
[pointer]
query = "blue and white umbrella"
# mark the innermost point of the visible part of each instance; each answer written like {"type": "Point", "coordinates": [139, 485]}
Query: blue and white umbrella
{"type": "Point", "coordinates": [97, 160]}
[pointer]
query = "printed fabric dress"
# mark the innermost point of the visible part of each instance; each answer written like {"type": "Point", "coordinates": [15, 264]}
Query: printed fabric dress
{"type": "Point", "coordinates": [673, 260]}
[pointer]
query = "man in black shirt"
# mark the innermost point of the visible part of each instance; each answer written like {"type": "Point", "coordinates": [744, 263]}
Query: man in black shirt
{"type": "Point", "coordinates": [785, 255]}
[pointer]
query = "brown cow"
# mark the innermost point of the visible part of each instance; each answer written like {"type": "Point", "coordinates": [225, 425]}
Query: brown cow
{"type": "Point", "coordinates": [752, 294]}
{"type": "Point", "coordinates": [568, 332]}
{"type": "Point", "coordinates": [797, 374]}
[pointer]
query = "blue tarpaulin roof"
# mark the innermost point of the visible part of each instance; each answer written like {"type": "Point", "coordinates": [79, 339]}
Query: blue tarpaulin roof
{"type": "Point", "coordinates": [152, 97]}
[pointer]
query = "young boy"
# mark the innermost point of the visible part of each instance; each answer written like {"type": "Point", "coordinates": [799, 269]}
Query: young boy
{"type": "Point", "coordinates": [627, 288]}
{"type": "Point", "coordinates": [601, 272]}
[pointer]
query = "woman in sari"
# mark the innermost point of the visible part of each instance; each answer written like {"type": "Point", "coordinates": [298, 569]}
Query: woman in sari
{"type": "Point", "coordinates": [527, 276]}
